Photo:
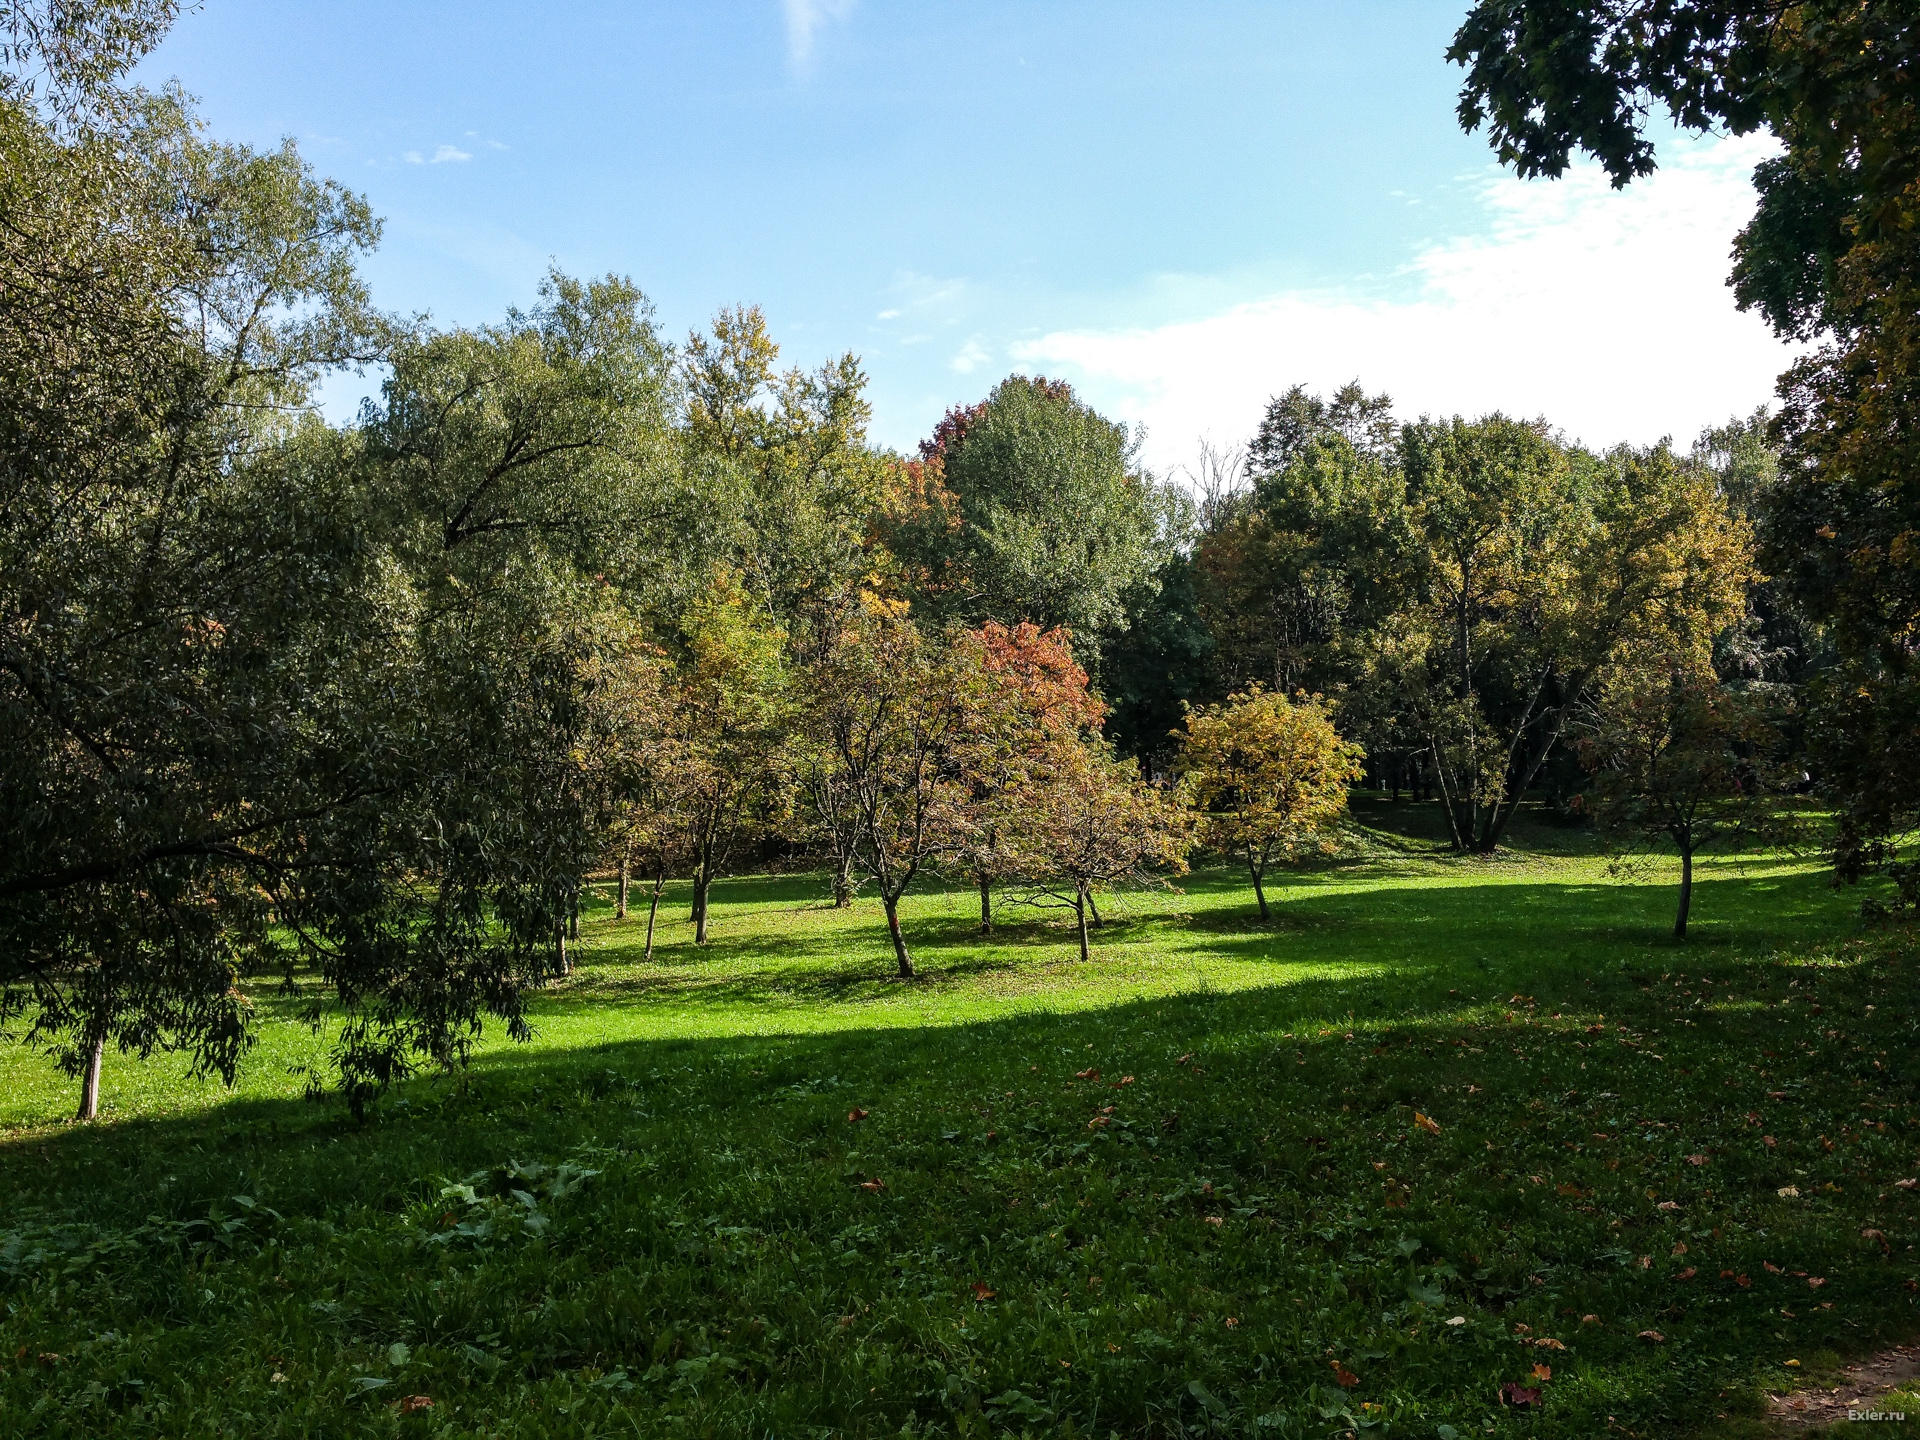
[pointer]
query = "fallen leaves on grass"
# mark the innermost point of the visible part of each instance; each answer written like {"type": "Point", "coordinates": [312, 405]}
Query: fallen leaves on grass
{"type": "Point", "coordinates": [1514, 1393]}
{"type": "Point", "coordinates": [1344, 1376]}
{"type": "Point", "coordinates": [1087, 1074]}
{"type": "Point", "coordinates": [873, 1186]}
{"type": "Point", "coordinates": [1431, 1126]}
{"type": "Point", "coordinates": [1687, 1274]}
{"type": "Point", "coordinates": [1543, 1372]}
{"type": "Point", "coordinates": [981, 1292]}
{"type": "Point", "coordinates": [856, 1115]}
{"type": "Point", "coordinates": [1652, 1337]}
{"type": "Point", "coordinates": [413, 1404]}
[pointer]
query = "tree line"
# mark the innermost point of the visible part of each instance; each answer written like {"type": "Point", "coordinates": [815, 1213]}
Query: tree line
{"type": "Point", "coordinates": [370, 702]}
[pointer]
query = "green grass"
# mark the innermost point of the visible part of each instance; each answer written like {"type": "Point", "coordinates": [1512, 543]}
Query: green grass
{"type": "Point", "coordinates": [665, 1226]}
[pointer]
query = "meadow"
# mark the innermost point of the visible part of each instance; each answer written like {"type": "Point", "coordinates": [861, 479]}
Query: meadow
{"type": "Point", "coordinates": [1449, 1147]}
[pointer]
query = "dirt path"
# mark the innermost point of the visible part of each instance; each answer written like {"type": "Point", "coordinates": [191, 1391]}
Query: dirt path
{"type": "Point", "coordinates": [1860, 1390]}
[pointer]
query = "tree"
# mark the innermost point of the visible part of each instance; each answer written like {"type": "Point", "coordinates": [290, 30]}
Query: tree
{"type": "Point", "coordinates": [1679, 755]}
{"type": "Point", "coordinates": [887, 711]}
{"type": "Point", "coordinates": [1033, 694]}
{"type": "Point", "coordinates": [1542, 568]}
{"type": "Point", "coordinates": [1832, 252]}
{"type": "Point", "coordinates": [1268, 775]}
{"type": "Point", "coordinates": [730, 709]}
{"type": "Point", "coordinates": [1033, 507]}
{"type": "Point", "coordinates": [182, 702]}
{"type": "Point", "coordinates": [1090, 820]}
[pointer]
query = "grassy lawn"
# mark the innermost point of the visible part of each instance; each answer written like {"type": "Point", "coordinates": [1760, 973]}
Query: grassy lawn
{"type": "Point", "coordinates": [1185, 1189]}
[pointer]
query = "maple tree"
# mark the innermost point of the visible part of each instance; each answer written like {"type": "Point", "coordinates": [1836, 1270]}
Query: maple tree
{"type": "Point", "coordinates": [1268, 775]}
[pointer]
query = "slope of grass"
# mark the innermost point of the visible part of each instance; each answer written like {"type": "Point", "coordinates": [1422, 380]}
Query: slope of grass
{"type": "Point", "coordinates": [1193, 1187]}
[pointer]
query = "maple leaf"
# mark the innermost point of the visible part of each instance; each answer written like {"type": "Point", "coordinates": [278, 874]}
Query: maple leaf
{"type": "Point", "coordinates": [1687, 1274]}
{"type": "Point", "coordinates": [981, 1292]}
{"type": "Point", "coordinates": [1514, 1393]}
{"type": "Point", "coordinates": [1745, 1284]}
{"type": "Point", "coordinates": [1087, 1074]}
{"type": "Point", "coordinates": [1547, 1342]}
{"type": "Point", "coordinates": [1652, 1337]}
{"type": "Point", "coordinates": [856, 1115]}
{"type": "Point", "coordinates": [1543, 1372]}
{"type": "Point", "coordinates": [1680, 1247]}
{"type": "Point", "coordinates": [1432, 1127]}
{"type": "Point", "coordinates": [1344, 1376]}
{"type": "Point", "coordinates": [1814, 1282]}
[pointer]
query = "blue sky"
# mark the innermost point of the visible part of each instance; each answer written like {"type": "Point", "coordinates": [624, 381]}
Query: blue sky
{"type": "Point", "coordinates": [1181, 208]}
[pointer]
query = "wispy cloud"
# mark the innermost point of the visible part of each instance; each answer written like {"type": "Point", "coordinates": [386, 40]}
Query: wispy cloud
{"type": "Point", "coordinates": [971, 357]}
{"type": "Point", "coordinates": [805, 18]}
{"type": "Point", "coordinates": [449, 152]}
{"type": "Point", "coordinates": [414, 157]}
{"type": "Point", "coordinates": [1605, 311]}
{"type": "Point", "coordinates": [888, 315]}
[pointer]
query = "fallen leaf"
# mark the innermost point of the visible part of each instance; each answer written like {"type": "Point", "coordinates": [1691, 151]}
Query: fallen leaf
{"type": "Point", "coordinates": [1589, 1319]}
{"type": "Point", "coordinates": [1514, 1393]}
{"type": "Point", "coordinates": [1680, 1247]}
{"type": "Point", "coordinates": [1905, 1184]}
{"type": "Point", "coordinates": [873, 1186]}
{"type": "Point", "coordinates": [1652, 1337]}
{"type": "Point", "coordinates": [1879, 1237]}
{"type": "Point", "coordinates": [1344, 1376]}
{"type": "Point", "coordinates": [1126, 1079]}
{"type": "Point", "coordinates": [1815, 1282]}
{"type": "Point", "coordinates": [1547, 1342]}
{"type": "Point", "coordinates": [855, 1116]}
{"type": "Point", "coordinates": [1189, 1055]}
{"type": "Point", "coordinates": [1745, 1284]}
{"type": "Point", "coordinates": [1788, 1192]}
{"type": "Point", "coordinates": [1646, 1262]}
{"type": "Point", "coordinates": [1086, 1074]}
{"type": "Point", "coordinates": [1687, 1274]}
{"type": "Point", "coordinates": [1772, 1269]}
{"type": "Point", "coordinates": [1215, 1220]}
{"type": "Point", "coordinates": [1768, 1141]}
{"type": "Point", "coordinates": [1696, 1159]}
{"type": "Point", "coordinates": [1432, 1127]}
{"type": "Point", "coordinates": [1458, 1320]}
{"type": "Point", "coordinates": [1668, 1205]}
{"type": "Point", "coordinates": [1543, 1372]}
{"type": "Point", "coordinates": [414, 1403]}
{"type": "Point", "coordinates": [981, 1292]}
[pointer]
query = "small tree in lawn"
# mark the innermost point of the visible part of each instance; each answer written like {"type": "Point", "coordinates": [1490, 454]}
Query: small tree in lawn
{"type": "Point", "coordinates": [728, 709]}
{"type": "Point", "coordinates": [1268, 774]}
{"type": "Point", "coordinates": [887, 712]}
{"type": "Point", "coordinates": [1089, 820]}
{"type": "Point", "coordinates": [1033, 694]}
{"type": "Point", "coordinates": [1678, 755]}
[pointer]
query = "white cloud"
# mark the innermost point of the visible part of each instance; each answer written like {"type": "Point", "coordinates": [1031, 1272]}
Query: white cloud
{"type": "Point", "coordinates": [412, 157]}
{"type": "Point", "coordinates": [449, 152]}
{"type": "Point", "coordinates": [888, 315]}
{"type": "Point", "coordinates": [805, 18]}
{"type": "Point", "coordinates": [971, 357]}
{"type": "Point", "coordinates": [1606, 311]}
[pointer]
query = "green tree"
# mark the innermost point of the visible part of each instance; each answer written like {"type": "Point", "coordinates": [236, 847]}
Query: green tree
{"type": "Point", "coordinates": [1033, 507]}
{"type": "Point", "coordinates": [1830, 254]}
{"type": "Point", "coordinates": [1678, 755]}
{"type": "Point", "coordinates": [1267, 775]}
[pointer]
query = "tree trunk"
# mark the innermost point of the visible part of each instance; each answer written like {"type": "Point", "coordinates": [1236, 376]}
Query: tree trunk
{"type": "Point", "coordinates": [1080, 897]}
{"type": "Point", "coordinates": [843, 882]}
{"type": "Point", "coordinates": [1686, 892]}
{"type": "Point", "coordinates": [1259, 891]}
{"type": "Point", "coordinates": [700, 884]}
{"type": "Point", "coordinates": [986, 905]}
{"type": "Point", "coordinates": [626, 874]}
{"type": "Point", "coordinates": [1093, 907]}
{"type": "Point", "coordinates": [573, 917]}
{"type": "Point", "coordinates": [653, 910]}
{"type": "Point", "coordinates": [562, 965]}
{"type": "Point", "coordinates": [892, 903]}
{"type": "Point", "coordinates": [90, 1078]}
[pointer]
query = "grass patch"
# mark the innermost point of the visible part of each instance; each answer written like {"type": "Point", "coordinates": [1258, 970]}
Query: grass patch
{"type": "Point", "coordinates": [659, 1218]}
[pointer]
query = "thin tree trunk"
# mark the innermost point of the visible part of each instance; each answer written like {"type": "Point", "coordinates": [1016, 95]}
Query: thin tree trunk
{"type": "Point", "coordinates": [1080, 897]}
{"type": "Point", "coordinates": [843, 882]}
{"type": "Point", "coordinates": [1093, 906]}
{"type": "Point", "coordinates": [700, 884]}
{"type": "Point", "coordinates": [573, 917]}
{"type": "Point", "coordinates": [90, 1078]}
{"type": "Point", "coordinates": [626, 874]}
{"type": "Point", "coordinates": [653, 910]}
{"type": "Point", "coordinates": [1686, 892]}
{"type": "Point", "coordinates": [1259, 891]}
{"type": "Point", "coordinates": [986, 905]}
{"type": "Point", "coordinates": [892, 903]}
{"type": "Point", "coordinates": [563, 965]}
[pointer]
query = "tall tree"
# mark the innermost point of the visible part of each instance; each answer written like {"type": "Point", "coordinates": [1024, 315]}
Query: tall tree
{"type": "Point", "coordinates": [1832, 253]}
{"type": "Point", "coordinates": [1035, 508]}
